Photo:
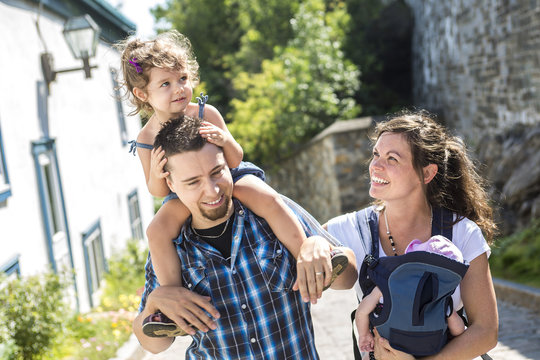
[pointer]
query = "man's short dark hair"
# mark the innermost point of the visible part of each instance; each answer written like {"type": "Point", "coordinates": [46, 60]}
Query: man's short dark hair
{"type": "Point", "coordinates": [180, 135]}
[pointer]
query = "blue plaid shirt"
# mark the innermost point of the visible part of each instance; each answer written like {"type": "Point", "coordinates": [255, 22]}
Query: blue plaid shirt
{"type": "Point", "coordinates": [261, 316]}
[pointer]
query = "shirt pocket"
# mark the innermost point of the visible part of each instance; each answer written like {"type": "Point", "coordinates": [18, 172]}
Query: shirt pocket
{"type": "Point", "coordinates": [276, 265]}
{"type": "Point", "coordinates": [195, 279]}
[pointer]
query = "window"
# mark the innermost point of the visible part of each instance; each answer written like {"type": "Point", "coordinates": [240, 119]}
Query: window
{"type": "Point", "coordinates": [119, 109]}
{"type": "Point", "coordinates": [11, 268]}
{"type": "Point", "coordinates": [52, 205]}
{"type": "Point", "coordinates": [94, 259]}
{"type": "Point", "coordinates": [5, 188]}
{"type": "Point", "coordinates": [135, 216]}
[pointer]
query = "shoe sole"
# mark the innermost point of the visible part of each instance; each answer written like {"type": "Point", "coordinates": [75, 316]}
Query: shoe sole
{"type": "Point", "coordinates": [339, 263]}
{"type": "Point", "coordinates": [159, 329]}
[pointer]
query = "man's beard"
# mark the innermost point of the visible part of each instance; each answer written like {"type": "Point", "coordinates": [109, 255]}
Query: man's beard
{"type": "Point", "coordinates": [216, 214]}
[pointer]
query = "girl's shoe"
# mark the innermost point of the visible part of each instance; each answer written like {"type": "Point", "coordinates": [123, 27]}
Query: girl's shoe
{"type": "Point", "coordinates": [339, 263]}
{"type": "Point", "coordinates": [159, 325]}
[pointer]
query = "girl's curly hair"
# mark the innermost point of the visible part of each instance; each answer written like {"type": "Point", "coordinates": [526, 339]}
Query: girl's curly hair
{"type": "Point", "coordinates": [169, 50]}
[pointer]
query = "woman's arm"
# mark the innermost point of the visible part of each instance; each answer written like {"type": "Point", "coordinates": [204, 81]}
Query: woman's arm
{"type": "Point", "coordinates": [479, 301]}
{"type": "Point", "coordinates": [478, 297]}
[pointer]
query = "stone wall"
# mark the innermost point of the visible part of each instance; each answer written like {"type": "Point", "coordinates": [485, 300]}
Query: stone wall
{"type": "Point", "coordinates": [329, 175]}
{"type": "Point", "coordinates": [477, 64]}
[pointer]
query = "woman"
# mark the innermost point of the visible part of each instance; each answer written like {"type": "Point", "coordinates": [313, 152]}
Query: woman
{"type": "Point", "coordinates": [416, 167]}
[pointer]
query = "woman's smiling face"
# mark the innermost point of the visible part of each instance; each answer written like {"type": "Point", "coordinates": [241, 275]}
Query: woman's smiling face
{"type": "Point", "coordinates": [391, 169]}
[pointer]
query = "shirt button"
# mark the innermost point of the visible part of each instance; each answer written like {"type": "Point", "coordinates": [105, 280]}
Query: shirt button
{"type": "Point", "coordinates": [241, 212]}
{"type": "Point", "coordinates": [253, 340]}
{"type": "Point", "coordinates": [244, 306]}
{"type": "Point", "coordinates": [234, 271]}
{"type": "Point", "coordinates": [189, 286]}
{"type": "Point", "coordinates": [278, 251]}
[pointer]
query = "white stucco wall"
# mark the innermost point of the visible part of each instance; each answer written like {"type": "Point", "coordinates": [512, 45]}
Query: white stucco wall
{"type": "Point", "coordinates": [96, 171]}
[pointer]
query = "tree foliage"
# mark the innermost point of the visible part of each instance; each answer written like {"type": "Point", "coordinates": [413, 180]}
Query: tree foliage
{"type": "Point", "coordinates": [281, 70]}
{"type": "Point", "coordinates": [33, 312]}
{"type": "Point", "coordinates": [305, 87]}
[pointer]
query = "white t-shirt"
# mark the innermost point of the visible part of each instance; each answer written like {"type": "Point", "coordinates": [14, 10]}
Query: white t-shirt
{"type": "Point", "coordinates": [466, 235]}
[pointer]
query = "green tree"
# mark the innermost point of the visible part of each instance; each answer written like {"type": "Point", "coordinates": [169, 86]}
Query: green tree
{"type": "Point", "coordinates": [214, 31]}
{"type": "Point", "coordinates": [379, 43]}
{"type": "Point", "coordinates": [306, 86]}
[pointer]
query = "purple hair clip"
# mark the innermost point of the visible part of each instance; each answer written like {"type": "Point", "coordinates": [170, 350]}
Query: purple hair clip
{"type": "Point", "coordinates": [136, 64]}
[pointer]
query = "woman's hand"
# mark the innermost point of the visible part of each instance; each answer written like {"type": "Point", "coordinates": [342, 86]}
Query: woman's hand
{"type": "Point", "coordinates": [383, 350]}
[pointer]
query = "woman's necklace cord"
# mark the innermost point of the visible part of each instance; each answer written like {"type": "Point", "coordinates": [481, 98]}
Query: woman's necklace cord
{"type": "Point", "coordinates": [212, 236]}
{"type": "Point", "coordinates": [391, 238]}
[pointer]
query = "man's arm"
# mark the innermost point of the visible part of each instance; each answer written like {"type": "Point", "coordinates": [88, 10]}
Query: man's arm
{"type": "Point", "coordinates": [181, 306]}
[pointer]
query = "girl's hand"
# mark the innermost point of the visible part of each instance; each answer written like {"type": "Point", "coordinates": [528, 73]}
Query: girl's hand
{"type": "Point", "coordinates": [383, 350]}
{"type": "Point", "coordinates": [157, 162]}
{"type": "Point", "coordinates": [213, 134]}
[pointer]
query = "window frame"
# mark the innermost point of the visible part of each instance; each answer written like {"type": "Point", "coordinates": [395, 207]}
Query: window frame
{"type": "Point", "coordinates": [136, 229]}
{"type": "Point", "coordinates": [5, 186]}
{"type": "Point", "coordinates": [96, 266]}
{"type": "Point", "coordinates": [119, 108]}
{"type": "Point", "coordinates": [12, 266]}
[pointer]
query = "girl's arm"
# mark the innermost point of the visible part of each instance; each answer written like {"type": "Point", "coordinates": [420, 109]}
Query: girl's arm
{"type": "Point", "coordinates": [152, 162]}
{"type": "Point", "coordinates": [266, 202]}
{"type": "Point", "coordinates": [164, 228]}
{"type": "Point", "coordinates": [215, 131]}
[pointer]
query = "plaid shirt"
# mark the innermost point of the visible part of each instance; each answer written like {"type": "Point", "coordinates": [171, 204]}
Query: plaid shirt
{"type": "Point", "coordinates": [261, 316]}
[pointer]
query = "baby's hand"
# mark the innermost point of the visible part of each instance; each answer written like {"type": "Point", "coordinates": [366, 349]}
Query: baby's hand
{"type": "Point", "coordinates": [157, 162]}
{"type": "Point", "coordinates": [365, 342]}
{"type": "Point", "coordinates": [213, 134]}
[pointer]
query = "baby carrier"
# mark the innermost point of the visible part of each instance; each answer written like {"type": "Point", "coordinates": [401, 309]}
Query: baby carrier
{"type": "Point", "coordinates": [416, 288]}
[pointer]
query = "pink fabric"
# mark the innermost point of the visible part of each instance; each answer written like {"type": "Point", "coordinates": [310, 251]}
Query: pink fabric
{"type": "Point", "coordinates": [437, 244]}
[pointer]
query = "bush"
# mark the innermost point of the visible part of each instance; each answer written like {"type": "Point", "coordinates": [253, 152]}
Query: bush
{"type": "Point", "coordinates": [125, 277]}
{"type": "Point", "coordinates": [98, 334]}
{"type": "Point", "coordinates": [32, 311]}
{"type": "Point", "coordinates": [517, 257]}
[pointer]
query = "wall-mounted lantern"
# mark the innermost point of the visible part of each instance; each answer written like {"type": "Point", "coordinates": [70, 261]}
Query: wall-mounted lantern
{"type": "Point", "coordinates": [81, 34]}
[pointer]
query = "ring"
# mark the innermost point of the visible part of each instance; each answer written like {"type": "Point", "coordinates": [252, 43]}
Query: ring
{"type": "Point", "coordinates": [319, 273]}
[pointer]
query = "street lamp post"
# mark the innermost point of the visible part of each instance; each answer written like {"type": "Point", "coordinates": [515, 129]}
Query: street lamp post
{"type": "Point", "coordinates": [81, 34]}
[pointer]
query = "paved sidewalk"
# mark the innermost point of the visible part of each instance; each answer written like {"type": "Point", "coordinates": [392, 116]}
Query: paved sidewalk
{"type": "Point", "coordinates": [519, 337]}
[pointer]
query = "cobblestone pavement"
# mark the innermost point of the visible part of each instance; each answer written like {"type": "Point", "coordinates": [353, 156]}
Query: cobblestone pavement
{"type": "Point", "coordinates": [519, 336]}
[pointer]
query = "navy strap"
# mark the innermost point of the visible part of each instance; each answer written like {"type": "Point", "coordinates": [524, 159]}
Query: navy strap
{"type": "Point", "coordinates": [134, 145]}
{"type": "Point", "coordinates": [202, 101]}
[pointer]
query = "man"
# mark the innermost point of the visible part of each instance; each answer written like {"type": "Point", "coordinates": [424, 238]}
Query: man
{"type": "Point", "coordinates": [238, 278]}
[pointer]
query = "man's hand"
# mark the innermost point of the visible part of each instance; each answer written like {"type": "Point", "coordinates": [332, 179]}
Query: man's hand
{"type": "Point", "coordinates": [313, 267]}
{"type": "Point", "coordinates": [184, 307]}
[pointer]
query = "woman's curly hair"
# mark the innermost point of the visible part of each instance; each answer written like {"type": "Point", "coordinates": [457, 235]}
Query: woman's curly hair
{"type": "Point", "coordinates": [457, 185]}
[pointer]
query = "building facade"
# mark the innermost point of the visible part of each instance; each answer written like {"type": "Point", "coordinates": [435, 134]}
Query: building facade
{"type": "Point", "coordinates": [70, 194]}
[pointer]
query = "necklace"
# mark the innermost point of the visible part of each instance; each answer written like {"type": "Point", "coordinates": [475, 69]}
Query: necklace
{"type": "Point", "coordinates": [212, 236]}
{"type": "Point", "coordinates": [391, 238]}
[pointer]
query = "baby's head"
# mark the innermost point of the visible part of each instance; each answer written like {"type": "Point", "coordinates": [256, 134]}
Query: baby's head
{"type": "Point", "coordinates": [170, 51]}
{"type": "Point", "coordinates": [437, 244]}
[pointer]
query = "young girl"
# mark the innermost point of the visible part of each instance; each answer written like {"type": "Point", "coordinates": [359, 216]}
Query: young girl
{"type": "Point", "coordinates": [161, 75]}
